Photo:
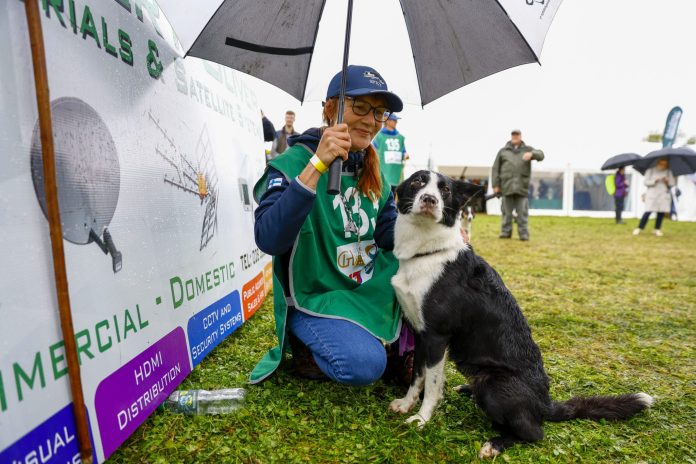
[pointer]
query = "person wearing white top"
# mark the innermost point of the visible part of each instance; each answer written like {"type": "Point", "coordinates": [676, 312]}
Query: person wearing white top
{"type": "Point", "coordinates": [659, 180]}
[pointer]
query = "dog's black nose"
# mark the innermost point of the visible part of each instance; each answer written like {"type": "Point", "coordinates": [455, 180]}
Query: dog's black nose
{"type": "Point", "coordinates": [429, 199]}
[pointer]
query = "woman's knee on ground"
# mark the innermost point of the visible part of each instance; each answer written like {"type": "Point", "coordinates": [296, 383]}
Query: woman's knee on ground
{"type": "Point", "coordinates": [365, 365]}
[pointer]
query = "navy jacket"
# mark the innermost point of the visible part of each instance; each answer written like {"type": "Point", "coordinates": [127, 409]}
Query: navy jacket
{"type": "Point", "coordinates": [285, 205]}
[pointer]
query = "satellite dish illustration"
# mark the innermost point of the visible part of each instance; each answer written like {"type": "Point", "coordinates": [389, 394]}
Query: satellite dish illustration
{"type": "Point", "coordinates": [88, 174]}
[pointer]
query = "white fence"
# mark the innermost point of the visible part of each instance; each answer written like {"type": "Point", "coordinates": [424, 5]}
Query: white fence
{"type": "Point", "coordinates": [579, 192]}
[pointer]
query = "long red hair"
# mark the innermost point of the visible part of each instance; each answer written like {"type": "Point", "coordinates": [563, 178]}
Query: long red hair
{"type": "Point", "coordinates": [370, 183]}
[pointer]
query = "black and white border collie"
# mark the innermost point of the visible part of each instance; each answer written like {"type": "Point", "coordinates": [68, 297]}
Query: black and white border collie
{"type": "Point", "coordinates": [458, 306]}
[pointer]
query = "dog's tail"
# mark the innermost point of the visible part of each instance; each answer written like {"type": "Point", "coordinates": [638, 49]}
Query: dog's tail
{"type": "Point", "coordinates": [613, 407]}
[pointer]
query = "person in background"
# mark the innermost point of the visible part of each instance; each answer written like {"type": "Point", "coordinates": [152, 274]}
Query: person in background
{"type": "Point", "coordinates": [675, 194]}
{"type": "Point", "coordinates": [484, 207]}
{"type": "Point", "coordinates": [268, 129]}
{"type": "Point", "coordinates": [280, 144]}
{"type": "Point", "coordinates": [512, 170]}
{"type": "Point", "coordinates": [659, 180]}
{"type": "Point", "coordinates": [391, 148]}
{"type": "Point", "coordinates": [620, 193]}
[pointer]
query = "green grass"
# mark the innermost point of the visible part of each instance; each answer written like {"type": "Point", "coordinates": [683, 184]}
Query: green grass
{"type": "Point", "coordinates": [612, 313]}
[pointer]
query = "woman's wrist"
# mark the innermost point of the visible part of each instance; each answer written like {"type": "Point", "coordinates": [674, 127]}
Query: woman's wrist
{"type": "Point", "coordinates": [318, 164]}
{"type": "Point", "coordinates": [310, 176]}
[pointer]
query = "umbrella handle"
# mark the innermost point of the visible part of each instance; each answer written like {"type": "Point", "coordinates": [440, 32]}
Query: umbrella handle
{"type": "Point", "coordinates": [335, 170]}
{"type": "Point", "coordinates": [336, 167]}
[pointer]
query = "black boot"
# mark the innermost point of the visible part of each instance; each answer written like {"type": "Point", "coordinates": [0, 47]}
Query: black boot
{"type": "Point", "coordinates": [303, 363]}
{"type": "Point", "coordinates": [399, 368]}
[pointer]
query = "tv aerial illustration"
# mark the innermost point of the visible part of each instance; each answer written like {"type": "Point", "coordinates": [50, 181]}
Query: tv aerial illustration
{"type": "Point", "coordinates": [244, 194]}
{"type": "Point", "coordinates": [88, 175]}
{"type": "Point", "coordinates": [243, 184]}
{"type": "Point", "coordinates": [194, 174]}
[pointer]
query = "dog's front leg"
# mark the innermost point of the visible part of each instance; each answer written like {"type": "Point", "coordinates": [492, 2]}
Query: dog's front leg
{"type": "Point", "coordinates": [404, 405]}
{"type": "Point", "coordinates": [434, 380]}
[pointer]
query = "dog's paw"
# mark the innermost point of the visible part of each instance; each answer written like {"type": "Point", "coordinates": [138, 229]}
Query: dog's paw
{"type": "Point", "coordinates": [418, 419]}
{"type": "Point", "coordinates": [401, 405]}
{"type": "Point", "coordinates": [487, 451]}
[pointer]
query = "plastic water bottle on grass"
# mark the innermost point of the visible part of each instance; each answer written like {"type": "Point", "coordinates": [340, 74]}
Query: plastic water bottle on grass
{"type": "Point", "coordinates": [203, 402]}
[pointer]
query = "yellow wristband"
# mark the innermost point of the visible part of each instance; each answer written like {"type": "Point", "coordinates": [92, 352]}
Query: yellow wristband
{"type": "Point", "coordinates": [318, 164]}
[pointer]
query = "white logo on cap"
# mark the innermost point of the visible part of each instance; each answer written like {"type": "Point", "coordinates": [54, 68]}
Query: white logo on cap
{"type": "Point", "coordinates": [374, 78]}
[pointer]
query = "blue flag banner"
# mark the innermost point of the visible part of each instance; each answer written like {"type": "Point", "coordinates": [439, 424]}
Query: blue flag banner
{"type": "Point", "coordinates": [671, 127]}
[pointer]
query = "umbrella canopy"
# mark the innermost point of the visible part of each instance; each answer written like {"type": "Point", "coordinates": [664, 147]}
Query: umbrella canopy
{"type": "Point", "coordinates": [452, 43]}
{"type": "Point", "coordinates": [682, 160]}
{"type": "Point", "coordinates": [619, 161]}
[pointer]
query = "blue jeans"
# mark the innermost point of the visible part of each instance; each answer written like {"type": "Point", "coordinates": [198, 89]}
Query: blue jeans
{"type": "Point", "coordinates": [344, 351]}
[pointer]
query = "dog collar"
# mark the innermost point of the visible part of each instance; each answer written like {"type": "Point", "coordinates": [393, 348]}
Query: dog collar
{"type": "Point", "coordinates": [420, 255]}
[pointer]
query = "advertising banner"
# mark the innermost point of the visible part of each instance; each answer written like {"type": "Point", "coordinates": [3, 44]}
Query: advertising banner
{"type": "Point", "coordinates": [155, 159]}
{"type": "Point", "coordinates": [669, 135]}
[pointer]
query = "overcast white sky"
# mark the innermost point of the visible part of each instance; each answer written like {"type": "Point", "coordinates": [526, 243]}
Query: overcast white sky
{"type": "Point", "coordinates": [611, 70]}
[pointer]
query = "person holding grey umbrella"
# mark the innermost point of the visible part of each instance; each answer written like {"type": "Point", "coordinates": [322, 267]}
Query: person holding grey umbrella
{"type": "Point", "coordinates": [620, 193]}
{"type": "Point", "coordinates": [332, 260]}
{"type": "Point", "coordinates": [452, 43]}
{"type": "Point", "coordinates": [659, 180]}
{"type": "Point", "coordinates": [616, 184]}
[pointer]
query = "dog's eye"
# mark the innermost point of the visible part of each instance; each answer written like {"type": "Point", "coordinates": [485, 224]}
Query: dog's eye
{"type": "Point", "coordinates": [445, 189]}
{"type": "Point", "coordinates": [416, 183]}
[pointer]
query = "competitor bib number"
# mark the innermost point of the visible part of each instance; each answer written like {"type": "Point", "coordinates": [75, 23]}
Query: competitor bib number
{"type": "Point", "coordinates": [356, 260]}
{"type": "Point", "coordinates": [393, 144]}
{"type": "Point", "coordinates": [357, 264]}
{"type": "Point", "coordinates": [392, 155]}
{"type": "Point", "coordinates": [352, 196]}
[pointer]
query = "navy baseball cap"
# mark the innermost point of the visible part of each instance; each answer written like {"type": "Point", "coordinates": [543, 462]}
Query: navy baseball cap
{"type": "Point", "coordinates": [363, 80]}
{"type": "Point", "coordinates": [393, 116]}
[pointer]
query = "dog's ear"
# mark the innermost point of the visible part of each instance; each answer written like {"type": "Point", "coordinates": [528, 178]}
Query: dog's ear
{"type": "Point", "coordinates": [400, 190]}
{"type": "Point", "coordinates": [465, 192]}
{"type": "Point", "coordinates": [401, 202]}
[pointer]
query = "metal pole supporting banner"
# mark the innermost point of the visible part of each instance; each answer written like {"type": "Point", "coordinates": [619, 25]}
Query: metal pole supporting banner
{"type": "Point", "coordinates": [43, 101]}
{"type": "Point", "coordinates": [336, 167]}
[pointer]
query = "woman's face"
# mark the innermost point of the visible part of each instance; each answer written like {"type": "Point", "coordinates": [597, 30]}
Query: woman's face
{"type": "Point", "coordinates": [662, 164]}
{"type": "Point", "coordinates": [362, 129]}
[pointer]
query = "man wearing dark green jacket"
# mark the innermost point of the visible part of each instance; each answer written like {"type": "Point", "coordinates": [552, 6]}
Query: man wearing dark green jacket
{"type": "Point", "coordinates": [511, 172]}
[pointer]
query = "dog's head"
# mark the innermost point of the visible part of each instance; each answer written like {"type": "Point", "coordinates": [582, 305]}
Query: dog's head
{"type": "Point", "coordinates": [435, 197]}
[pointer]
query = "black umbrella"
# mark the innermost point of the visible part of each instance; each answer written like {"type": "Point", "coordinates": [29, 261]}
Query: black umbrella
{"type": "Point", "coordinates": [453, 43]}
{"type": "Point", "coordinates": [619, 161]}
{"type": "Point", "coordinates": [682, 160]}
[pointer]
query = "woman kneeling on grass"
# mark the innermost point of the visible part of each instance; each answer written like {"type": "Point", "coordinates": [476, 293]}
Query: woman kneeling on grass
{"type": "Point", "coordinates": [332, 260]}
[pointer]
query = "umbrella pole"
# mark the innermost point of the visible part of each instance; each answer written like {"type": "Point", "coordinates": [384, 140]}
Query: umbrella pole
{"type": "Point", "coordinates": [53, 212]}
{"type": "Point", "coordinates": [337, 166]}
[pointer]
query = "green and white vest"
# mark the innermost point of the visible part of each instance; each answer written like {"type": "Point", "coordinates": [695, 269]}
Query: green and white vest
{"type": "Point", "coordinates": [390, 149]}
{"type": "Point", "coordinates": [327, 275]}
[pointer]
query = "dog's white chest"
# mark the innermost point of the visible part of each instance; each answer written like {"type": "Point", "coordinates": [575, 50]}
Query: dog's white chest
{"type": "Point", "coordinates": [414, 280]}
